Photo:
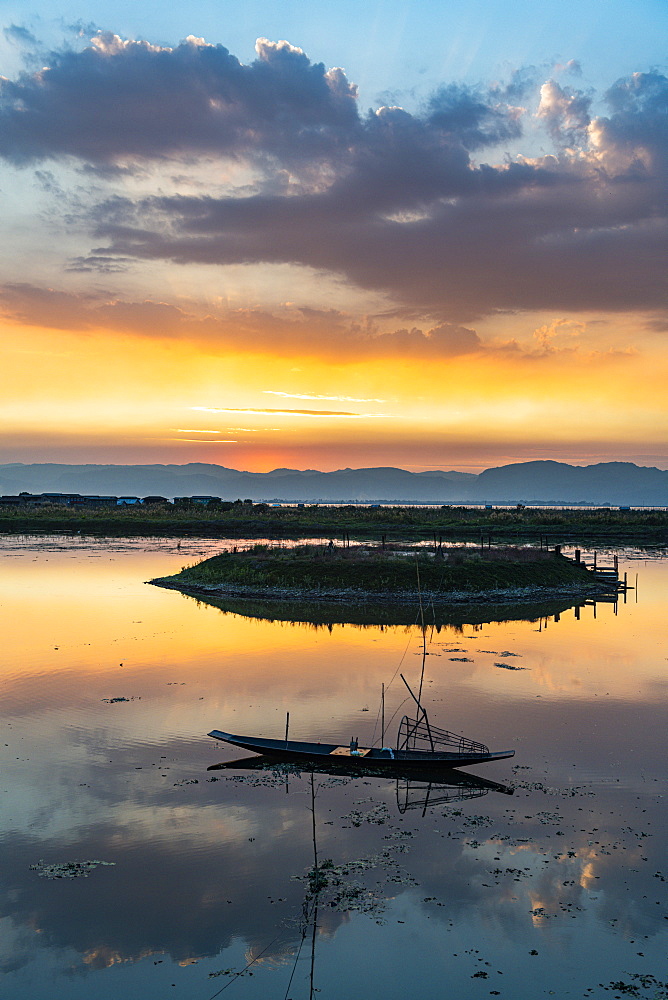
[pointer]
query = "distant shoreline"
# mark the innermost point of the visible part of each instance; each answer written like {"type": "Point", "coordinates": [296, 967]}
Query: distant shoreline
{"type": "Point", "coordinates": [446, 523]}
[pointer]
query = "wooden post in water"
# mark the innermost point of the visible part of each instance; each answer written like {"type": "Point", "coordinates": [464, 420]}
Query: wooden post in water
{"type": "Point", "coordinates": [317, 894]}
{"type": "Point", "coordinates": [287, 726]}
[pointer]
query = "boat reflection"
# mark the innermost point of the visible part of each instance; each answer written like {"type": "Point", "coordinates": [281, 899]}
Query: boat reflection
{"type": "Point", "coordinates": [424, 789]}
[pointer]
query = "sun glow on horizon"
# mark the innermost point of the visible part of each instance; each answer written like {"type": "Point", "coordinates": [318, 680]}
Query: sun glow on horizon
{"type": "Point", "coordinates": [88, 398]}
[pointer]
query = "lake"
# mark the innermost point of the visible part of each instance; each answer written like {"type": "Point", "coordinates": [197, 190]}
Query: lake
{"type": "Point", "coordinates": [131, 870]}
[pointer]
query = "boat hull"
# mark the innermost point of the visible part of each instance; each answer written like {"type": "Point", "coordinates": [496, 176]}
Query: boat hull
{"type": "Point", "coordinates": [300, 752]}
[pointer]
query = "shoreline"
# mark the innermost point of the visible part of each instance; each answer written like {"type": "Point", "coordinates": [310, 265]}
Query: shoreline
{"type": "Point", "coordinates": [446, 524]}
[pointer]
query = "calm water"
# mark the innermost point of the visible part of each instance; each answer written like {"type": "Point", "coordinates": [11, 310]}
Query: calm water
{"type": "Point", "coordinates": [556, 890]}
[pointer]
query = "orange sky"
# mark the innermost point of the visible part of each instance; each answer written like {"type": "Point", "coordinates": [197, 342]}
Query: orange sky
{"type": "Point", "coordinates": [117, 396]}
{"type": "Point", "coordinates": [218, 261]}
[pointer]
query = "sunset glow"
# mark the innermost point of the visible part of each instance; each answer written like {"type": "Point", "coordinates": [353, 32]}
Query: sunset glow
{"type": "Point", "coordinates": [255, 259]}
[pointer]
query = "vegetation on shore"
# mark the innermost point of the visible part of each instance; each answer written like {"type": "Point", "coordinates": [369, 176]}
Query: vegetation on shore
{"type": "Point", "coordinates": [314, 570]}
{"type": "Point", "coordinates": [246, 520]}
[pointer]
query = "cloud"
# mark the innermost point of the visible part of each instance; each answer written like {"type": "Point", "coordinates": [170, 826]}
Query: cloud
{"type": "Point", "coordinates": [413, 216]}
{"type": "Point", "coordinates": [302, 332]}
{"type": "Point", "coordinates": [98, 263]}
{"type": "Point", "coordinates": [325, 335]}
{"type": "Point", "coordinates": [565, 112]}
{"type": "Point", "coordinates": [19, 35]}
{"type": "Point", "coordinates": [657, 324]}
{"type": "Point", "coordinates": [562, 236]}
{"type": "Point", "coordinates": [638, 123]}
{"type": "Point", "coordinates": [391, 201]}
{"type": "Point", "coordinates": [118, 99]}
{"type": "Point", "coordinates": [469, 116]}
{"type": "Point", "coordinates": [549, 334]}
{"type": "Point", "coordinates": [443, 341]}
{"type": "Point", "coordinates": [339, 399]}
{"type": "Point", "coordinates": [301, 413]}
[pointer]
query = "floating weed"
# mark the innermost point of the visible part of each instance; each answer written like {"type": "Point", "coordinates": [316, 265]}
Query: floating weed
{"type": "Point", "coordinates": [377, 816]}
{"type": "Point", "coordinates": [340, 886]}
{"type": "Point", "coordinates": [263, 779]}
{"type": "Point", "coordinates": [67, 869]}
{"type": "Point", "coordinates": [640, 983]}
{"type": "Point", "coordinates": [477, 821]}
{"type": "Point", "coordinates": [547, 818]}
{"type": "Point", "coordinates": [564, 793]}
{"type": "Point", "coordinates": [274, 775]}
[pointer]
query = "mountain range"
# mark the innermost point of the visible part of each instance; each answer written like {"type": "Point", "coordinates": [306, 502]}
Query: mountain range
{"type": "Point", "coordinates": [525, 482]}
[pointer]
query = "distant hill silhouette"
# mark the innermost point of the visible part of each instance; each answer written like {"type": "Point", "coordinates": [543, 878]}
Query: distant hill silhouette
{"type": "Point", "coordinates": [525, 482]}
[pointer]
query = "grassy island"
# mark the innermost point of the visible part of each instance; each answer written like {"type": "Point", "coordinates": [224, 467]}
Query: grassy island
{"type": "Point", "coordinates": [317, 572]}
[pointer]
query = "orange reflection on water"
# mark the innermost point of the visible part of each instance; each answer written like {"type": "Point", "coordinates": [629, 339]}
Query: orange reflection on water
{"type": "Point", "coordinates": [85, 626]}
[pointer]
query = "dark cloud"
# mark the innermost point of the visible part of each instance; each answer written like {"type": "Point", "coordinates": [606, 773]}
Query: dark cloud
{"type": "Point", "coordinates": [122, 99]}
{"type": "Point", "coordinates": [469, 117]}
{"type": "Point", "coordinates": [98, 262]}
{"type": "Point", "coordinates": [639, 119]}
{"type": "Point", "coordinates": [560, 235]}
{"type": "Point", "coordinates": [392, 201]}
{"type": "Point", "coordinates": [657, 324]}
{"type": "Point", "coordinates": [19, 35]}
{"type": "Point", "coordinates": [129, 99]}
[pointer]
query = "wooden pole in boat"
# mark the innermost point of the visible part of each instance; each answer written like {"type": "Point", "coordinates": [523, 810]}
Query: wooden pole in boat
{"type": "Point", "coordinates": [424, 636]}
{"type": "Point", "coordinates": [287, 726]}
{"type": "Point", "coordinates": [382, 715]}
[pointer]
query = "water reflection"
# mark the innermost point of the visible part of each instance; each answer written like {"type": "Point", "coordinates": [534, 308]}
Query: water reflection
{"type": "Point", "coordinates": [422, 788]}
{"type": "Point", "coordinates": [211, 867]}
{"type": "Point", "coordinates": [325, 614]}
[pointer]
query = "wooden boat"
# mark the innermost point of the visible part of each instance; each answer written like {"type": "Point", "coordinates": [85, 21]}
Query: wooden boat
{"type": "Point", "coordinates": [419, 746]}
{"type": "Point", "coordinates": [463, 752]}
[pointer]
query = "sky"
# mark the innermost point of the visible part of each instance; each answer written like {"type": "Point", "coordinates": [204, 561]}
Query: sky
{"type": "Point", "coordinates": [271, 234]}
